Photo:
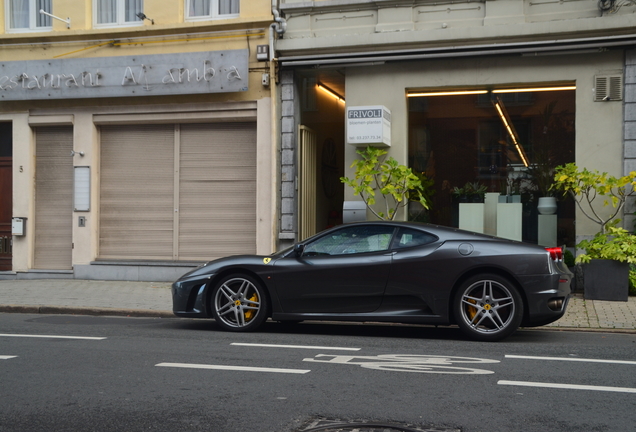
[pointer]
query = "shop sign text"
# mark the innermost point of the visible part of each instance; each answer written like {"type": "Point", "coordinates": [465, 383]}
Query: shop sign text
{"type": "Point", "coordinates": [164, 74]}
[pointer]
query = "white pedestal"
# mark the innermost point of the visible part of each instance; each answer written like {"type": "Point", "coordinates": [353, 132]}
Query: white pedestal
{"type": "Point", "coordinates": [547, 230]}
{"type": "Point", "coordinates": [471, 217]}
{"type": "Point", "coordinates": [509, 220]}
{"type": "Point", "coordinates": [490, 213]}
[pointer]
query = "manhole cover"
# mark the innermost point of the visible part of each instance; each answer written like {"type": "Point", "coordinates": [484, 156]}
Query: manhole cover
{"type": "Point", "coordinates": [339, 425]}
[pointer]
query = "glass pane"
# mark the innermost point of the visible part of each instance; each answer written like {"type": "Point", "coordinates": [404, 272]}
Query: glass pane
{"type": "Point", "coordinates": [199, 8]}
{"type": "Point", "coordinates": [106, 11]}
{"type": "Point", "coordinates": [227, 7]}
{"type": "Point", "coordinates": [133, 7]}
{"type": "Point", "coordinates": [410, 237]}
{"type": "Point", "coordinates": [42, 20]}
{"type": "Point", "coordinates": [351, 240]}
{"type": "Point", "coordinates": [19, 14]}
{"type": "Point", "coordinates": [467, 147]}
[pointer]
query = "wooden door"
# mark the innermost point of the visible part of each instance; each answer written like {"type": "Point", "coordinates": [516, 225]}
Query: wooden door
{"type": "Point", "coordinates": [6, 206]}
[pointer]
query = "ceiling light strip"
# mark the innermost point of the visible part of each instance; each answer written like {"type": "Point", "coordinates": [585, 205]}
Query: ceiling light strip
{"type": "Point", "coordinates": [477, 92]}
{"type": "Point", "coordinates": [330, 92]}
{"type": "Point", "coordinates": [503, 115]}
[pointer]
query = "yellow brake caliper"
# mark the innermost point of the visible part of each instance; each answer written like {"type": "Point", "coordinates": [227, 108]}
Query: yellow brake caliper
{"type": "Point", "coordinates": [250, 313]}
{"type": "Point", "coordinates": [472, 311]}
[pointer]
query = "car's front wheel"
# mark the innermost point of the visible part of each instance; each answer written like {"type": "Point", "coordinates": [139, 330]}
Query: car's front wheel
{"type": "Point", "coordinates": [488, 307]}
{"type": "Point", "coordinates": [239, 303]}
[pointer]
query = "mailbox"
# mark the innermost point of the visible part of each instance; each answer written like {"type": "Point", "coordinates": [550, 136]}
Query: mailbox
{"type": "Point", "coordinates": [18, 226]}
{"type": "Point", "coordinates": [354, 211]}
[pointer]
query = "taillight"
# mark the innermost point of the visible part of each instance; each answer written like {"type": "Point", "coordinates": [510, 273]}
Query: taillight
{"type": "Point", "coordinates": [556, 253]}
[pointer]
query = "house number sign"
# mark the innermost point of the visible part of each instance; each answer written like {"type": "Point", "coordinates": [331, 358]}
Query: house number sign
{"type": "Point", "coordinates": [145, 75]}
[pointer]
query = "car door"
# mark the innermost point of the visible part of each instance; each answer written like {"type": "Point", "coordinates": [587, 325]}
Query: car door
{"type": "Point", "coordinates": [415, 281]}
{"type": "Point", "coordinates": [344, 271]}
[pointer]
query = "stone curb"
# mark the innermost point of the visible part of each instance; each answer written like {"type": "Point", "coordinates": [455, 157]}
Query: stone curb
{"type": "Point", "coordinates": [71, 310]}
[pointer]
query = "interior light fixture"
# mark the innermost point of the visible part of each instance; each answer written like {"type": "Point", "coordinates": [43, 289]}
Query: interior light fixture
{"type": "Point", "coordinates": [534, 89]}
{"type": "Point", "coordinates": [330, 92]}
{"type": "Point", "coordinates": [447, 93]}
{"type": "Point", "coordinates": [505, 119]}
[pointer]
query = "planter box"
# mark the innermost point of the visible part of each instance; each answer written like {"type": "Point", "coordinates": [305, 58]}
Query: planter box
{"type": "Point", "coordinates": [606, 280]}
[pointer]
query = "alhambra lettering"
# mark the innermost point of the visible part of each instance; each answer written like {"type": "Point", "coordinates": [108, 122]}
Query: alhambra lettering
{"type": "Point", "coordinates": [131, 75]}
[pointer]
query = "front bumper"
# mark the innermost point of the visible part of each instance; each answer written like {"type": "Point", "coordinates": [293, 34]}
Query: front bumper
{"type": "Point", "coordinates": [189, 297]}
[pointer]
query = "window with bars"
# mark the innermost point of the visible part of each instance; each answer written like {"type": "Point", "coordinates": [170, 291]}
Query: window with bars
{"type": "Point", "coordinates": [211, 9]}
{"type": "Point", "coordinates": [117, 12]}
{"type": "Point", "coordinates": [24, 15]}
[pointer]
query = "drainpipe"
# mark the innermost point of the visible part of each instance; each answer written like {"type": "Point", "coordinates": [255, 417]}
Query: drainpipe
{"type": "Point", "coordinates": [279, 26]}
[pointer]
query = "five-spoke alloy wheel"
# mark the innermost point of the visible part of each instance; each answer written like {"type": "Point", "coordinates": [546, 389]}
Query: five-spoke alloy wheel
{"type": "Point", "coordinates": [239, 303]}
{"type": "Point", "coordinates": [488, 307]}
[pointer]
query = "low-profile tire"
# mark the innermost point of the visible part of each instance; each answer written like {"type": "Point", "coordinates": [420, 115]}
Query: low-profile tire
{"type": "Point", "coordinates": [239, 303]}
{"type": "Point", "coordinates": [488, 307]}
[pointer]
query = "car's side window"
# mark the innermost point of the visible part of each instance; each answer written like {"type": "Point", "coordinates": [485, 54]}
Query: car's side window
{"type": "Point", "coordinates": [352, 240]}
{"type": "Point", "coordinates": [408, 237]}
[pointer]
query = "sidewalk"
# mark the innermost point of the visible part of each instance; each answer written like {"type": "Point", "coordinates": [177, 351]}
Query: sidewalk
{"type": "Point", "coordinates": [153, 299]}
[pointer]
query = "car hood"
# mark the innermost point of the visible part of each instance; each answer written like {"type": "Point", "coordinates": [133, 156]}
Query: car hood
{"type": "Point", "coordinates": [243, 261]}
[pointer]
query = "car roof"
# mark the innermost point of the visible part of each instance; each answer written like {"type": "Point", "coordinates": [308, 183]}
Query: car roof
{"type": "Point", "coordinates": [447, 233]}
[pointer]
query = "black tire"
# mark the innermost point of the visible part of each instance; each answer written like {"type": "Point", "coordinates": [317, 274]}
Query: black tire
{"type": "Point", "coordinates": [488, 307]}
{"type": "Point", "coordinates": [239, 303]}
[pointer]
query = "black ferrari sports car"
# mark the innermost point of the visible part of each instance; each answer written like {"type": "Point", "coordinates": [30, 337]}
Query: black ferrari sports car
{"type": "Point", "coordinates": [385, 272]}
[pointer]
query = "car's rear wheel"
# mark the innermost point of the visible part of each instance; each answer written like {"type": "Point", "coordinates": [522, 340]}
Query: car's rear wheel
{"type": "Point", "coordinates": [488, 307]}
{"type": "Point", "coordinates": [239, 303]}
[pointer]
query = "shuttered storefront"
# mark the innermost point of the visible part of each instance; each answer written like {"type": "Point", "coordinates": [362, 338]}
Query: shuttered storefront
{"type": "Point", "coordinates": [178, 192]}
{"type": "Point", "coordinates": [53, 198]}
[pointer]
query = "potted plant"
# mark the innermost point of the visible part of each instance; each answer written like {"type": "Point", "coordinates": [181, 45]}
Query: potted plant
{"type": "Point", "coordinates": [612, 249]}
{"type": "Point", "coordinates": [609, 256]}
{"type": "Point", "coordinates": [377, 175]}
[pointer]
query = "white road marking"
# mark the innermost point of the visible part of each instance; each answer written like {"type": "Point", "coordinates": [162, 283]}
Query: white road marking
{"type": "Point", "coordinates": [572, 359]}
{"type": "Point", "coordinates": [233, 368]}
{"type": "Point", "coordinates": [51, 336]}
{"type": "Point", "coordinates": [297, 346]}
{"type": "Point", "coordinates": [568, 386]}
{"type": "Point", "coordinates": [408, 363]}
{"type": "Point", "coordinates": [6, 357]}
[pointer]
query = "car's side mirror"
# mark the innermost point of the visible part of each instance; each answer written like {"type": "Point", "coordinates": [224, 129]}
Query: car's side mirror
{"type": "Point", "coordinates": [299, 248]}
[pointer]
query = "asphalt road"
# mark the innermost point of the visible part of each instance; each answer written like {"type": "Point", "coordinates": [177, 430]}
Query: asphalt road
{"type": "Point", "coordinates": [151, 374]}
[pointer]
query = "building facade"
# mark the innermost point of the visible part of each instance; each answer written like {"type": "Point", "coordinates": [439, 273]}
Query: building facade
{"type": "Point", "coordinates": [136, 137]}
{"type": "Point", "coordinates": [493, 93]}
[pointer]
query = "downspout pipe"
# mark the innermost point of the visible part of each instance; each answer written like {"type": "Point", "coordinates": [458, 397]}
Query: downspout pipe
{"type": "Point", "coordinates": [279, 26]}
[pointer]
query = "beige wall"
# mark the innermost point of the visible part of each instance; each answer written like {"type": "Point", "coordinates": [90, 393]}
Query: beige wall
{"type": "Point", "coordinates": [171, 33]}
{"type": "Point", "coordinates": [599, 131]}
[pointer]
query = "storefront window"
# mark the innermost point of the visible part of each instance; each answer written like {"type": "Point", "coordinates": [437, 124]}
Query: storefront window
{"type": "Point", "coordinates": [506, 141]}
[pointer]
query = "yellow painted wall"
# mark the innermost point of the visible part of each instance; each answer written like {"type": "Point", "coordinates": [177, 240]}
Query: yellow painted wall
{"type": "Point", "coordinates": [166, 14]}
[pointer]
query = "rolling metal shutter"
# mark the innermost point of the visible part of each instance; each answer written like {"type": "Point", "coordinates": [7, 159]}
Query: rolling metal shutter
{"type": "Point", "coordinates": [178, 192]}
{"type": "Point", "coordinates": [217, 211]}
{"type": "Point", "coordinates": [136, 192]}
{"type": "Point", "coordinates": [53, 198]}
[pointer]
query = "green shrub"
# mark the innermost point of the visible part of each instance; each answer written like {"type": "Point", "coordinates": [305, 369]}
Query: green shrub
{"type": "Point", "coordinates": [568, 258]}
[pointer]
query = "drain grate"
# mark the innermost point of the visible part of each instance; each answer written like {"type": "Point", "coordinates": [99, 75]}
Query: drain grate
{"type": "Point", "coordinates": [339, 425]}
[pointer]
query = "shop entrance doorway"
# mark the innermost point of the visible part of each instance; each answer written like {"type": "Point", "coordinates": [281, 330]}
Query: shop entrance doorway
{"type": "Point", "coordinates": [6, 195]}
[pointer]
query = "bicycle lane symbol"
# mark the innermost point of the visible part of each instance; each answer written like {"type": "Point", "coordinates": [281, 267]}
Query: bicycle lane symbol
{"type": "Point", "coordinates": [409, 363]}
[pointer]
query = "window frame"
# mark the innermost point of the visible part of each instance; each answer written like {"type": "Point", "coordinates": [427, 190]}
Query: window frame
{"type": "Point", "coordinates": [214, 14]}
{"type": "Point", "coordinates": [32, 19]}
{"type": "Point", "coordinates": [121, 16]}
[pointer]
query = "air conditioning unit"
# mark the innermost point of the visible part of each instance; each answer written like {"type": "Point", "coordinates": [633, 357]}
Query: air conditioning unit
{"type": "Point", "coordinates": [608, 88]}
